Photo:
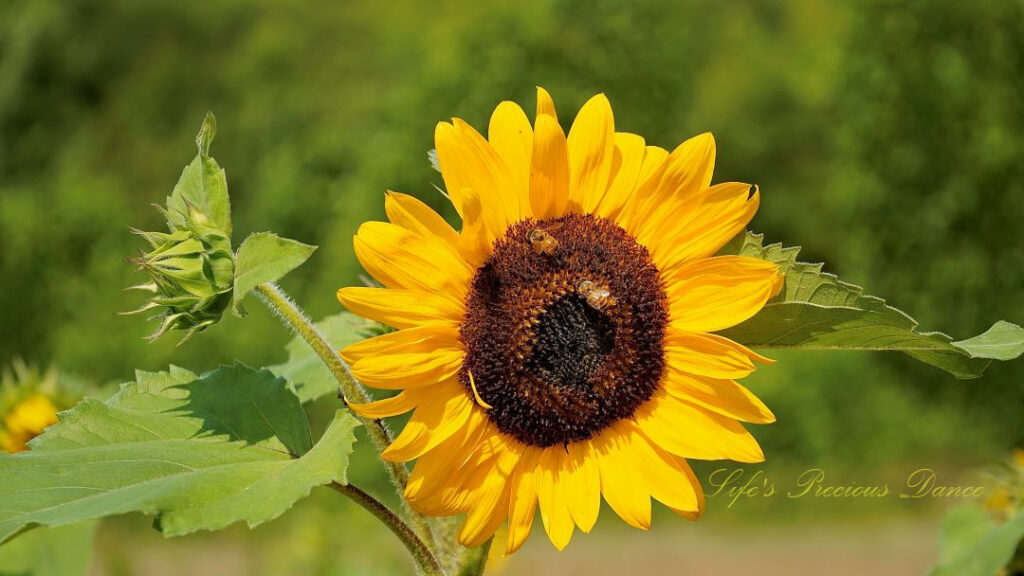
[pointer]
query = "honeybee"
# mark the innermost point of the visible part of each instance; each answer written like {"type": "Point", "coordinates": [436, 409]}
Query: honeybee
{"type": "Point", "coordinates": [596, 296]}
{"type": "Point", "coordinates": [542, 242]}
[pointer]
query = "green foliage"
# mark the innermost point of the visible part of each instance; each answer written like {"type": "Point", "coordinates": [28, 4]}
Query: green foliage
{"type": "Point", "coordinates": [266, 257]}
{"type": "Point", "coordinates": [305, 371]}
{"type": "Point", "coordinates": [198, 452]}
{"type": "Point", "coordinates": [816, 310]}
{"type": "Point", "coordinates": [972, 545]}
{"type": "Point", "coordinates": [61, 551]}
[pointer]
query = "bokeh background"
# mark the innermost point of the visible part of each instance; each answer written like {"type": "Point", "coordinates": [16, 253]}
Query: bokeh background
{"type": "Point", "coordinates": [886, 138]}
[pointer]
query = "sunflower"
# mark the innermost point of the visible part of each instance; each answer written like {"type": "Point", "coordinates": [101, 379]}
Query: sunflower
{"type": "Point", "coordinates": [561, 347]}
{"type": "Point", "coordinates": [26, 405]}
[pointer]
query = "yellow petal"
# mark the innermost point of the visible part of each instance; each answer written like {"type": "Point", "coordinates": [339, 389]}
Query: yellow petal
{"type": "Point", "coordinates": [471, 167]}
{"type": "Point", "coordinates": [415, 216]}
{"type": "Point", "coordinates": [545, 105]}
{"type": "Point", "coordinates": [511, 136]}
{"type": "Point", "coordinates": [689, 431]}
{"type": "Point", "coordinates": [402, 259]}
{"type": "Point", "coordinates": [422, 339]}
{"type": "Point", "coordinates": [434, 421]}
{"type": "Point", "coordinates": [591, 144]}
{"type": "Point", "coordinates": [522, 500]}
{"type": "Point", "coordinates": [632, 213]}
{"type": "Point", "coordinates": [619, 476]}
{"type": "Point", "coordinates": [408, 370]}
{"type": "Point", "coordinates": [628, 160]}
{"type": "Point", "coordinates": [726, 397]}
{"type": "Point", "coordinates": [397, 404]}
{"type": "Point", "coordinates": [552, 495]}
{"type": "Point", "coordinates": [490, 504]}
{"type": "Point", "coordinates": [442, 468]}
{"type": "Point", "coordinates": [690, 167]}
{"type": "Point", "coordinates": [668, 477]}
{"type": "Point", "coordinates": [717, 293]}
{"type": "Point", "coordinates": [706, 355]}
{"type": "Point", "coordinates": [683, 176]}
{"type": "Point", "coordinates": [698, 230]}
{"type": "Point", "coordinates": [401, 308]}
{"type": "Point", "coordinates": [549, 170]}
{"type": "Point", "coordinates": [582, 485]}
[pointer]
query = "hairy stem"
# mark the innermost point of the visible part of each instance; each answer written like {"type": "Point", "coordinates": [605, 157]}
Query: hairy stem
{"type": "Point", "coordinates": [474, 560]}
{"type": "Point", "coordinates": [352, 391]}
{"type": "Point", "coordinates": [422, 555]}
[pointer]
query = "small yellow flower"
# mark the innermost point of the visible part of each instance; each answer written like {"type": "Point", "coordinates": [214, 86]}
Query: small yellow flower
{"type": "Point", "coordinates": [25, 421]}
{"type": "Point", "coordinates": [561, 347]}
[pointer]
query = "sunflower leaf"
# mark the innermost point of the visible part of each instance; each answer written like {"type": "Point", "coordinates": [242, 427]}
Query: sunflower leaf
{"type": "Point", "coordinates": [266, 257]}
{"type": "Point", "coordinates": [305, 371]}
{"type": "Point", "coordinates": [198, 452]}
{"type": "Point", "coordinates": [817, 310]}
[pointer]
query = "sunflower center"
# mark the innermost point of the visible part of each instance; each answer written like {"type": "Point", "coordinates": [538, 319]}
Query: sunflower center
{"type": "Point", "coordinates": [563, 329]}
{"type": "Point", "coordinates": [571, 342]}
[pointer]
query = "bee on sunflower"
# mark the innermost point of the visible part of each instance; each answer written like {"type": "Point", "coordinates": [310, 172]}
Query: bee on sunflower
{"type": "Point", "coordinates": [561, 346]}
{"type": "Point", "coordinates": [29, 402]}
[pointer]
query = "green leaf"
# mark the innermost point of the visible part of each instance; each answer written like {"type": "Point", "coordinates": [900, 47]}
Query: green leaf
{"type": "Point", "coordinates": [972, 545]}
{"type": "Point", "coordinates": [816, 310]}
{"type": "Point", "coordinates": [1003, 341]}
{"type": "Point", "coordinates": [61, 551]}
{"type": "Point", "coordinates": [266, 257]}
{"type": "Point", "coordinates": [304, 369]}
{"type": "Point", "coordinates": [197, 452]}
{"type": "Point", "coordinates": [200, 198]}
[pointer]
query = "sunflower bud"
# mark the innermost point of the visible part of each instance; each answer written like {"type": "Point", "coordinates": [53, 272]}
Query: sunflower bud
{"type": "Point", "coordinates": [191, 279]}
{"type": "Point", "coordinates": [191, 267]}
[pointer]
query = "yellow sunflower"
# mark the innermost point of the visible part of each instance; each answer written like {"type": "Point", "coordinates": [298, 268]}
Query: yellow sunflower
{"type": "Point", "coordinates": [25, 421]}
{"type": "Point", "coordinates": [561, 346]}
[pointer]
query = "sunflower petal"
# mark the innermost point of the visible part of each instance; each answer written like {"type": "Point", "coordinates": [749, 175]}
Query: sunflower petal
{"type": "Point", "coordinates": [689, 431]}
{"type": "Point", "coordinates": [402, 259]}
{"type": "Point", "coordinates": [490, 503]}
{"type": "Point", "coordinates": [582, 481]}
{"type": "Point", "coordinates": [618, 476]}
{"type": "Point", "coordinates": [706, 355]}
{"type": "Point", "coordinates": [401, 308]}
{"type": "Point", "coordinates": [717, 293]}
{"type": "Point", "coordinates": [628, 160]}
{"type": "Point", "coordinates": [397, 404]}
{"type": "Point", "coordinates": [511, 136]}
{"type": "Point", "coordinates": [726, 397]}
{"type": "Point", "coordinates": [591, 144]}
{"type": "Point", "coordinates": [411, 340]}
{"type": "Point", "coordinates": [408, 369]}
{"type": "Point", "coordinates": [549, 169]}
{"type": "Point", "coordinates": [470, 167]}
{"type": "Point", "coordinates": [668, 477]}
{"type": "Point", "coordinates": [686, 233]}
{"type": "Point", "coordinates": [522, 500]}
{"type": "Point", "coordinates": [545, 105]}
{"type": "Point", "coordinates": [413, 215]}
{"type": "Point", "coordinates": [552, 497]}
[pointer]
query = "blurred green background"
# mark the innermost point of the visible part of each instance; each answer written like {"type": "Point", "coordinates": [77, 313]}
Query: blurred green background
{"type": "Point", "coordinates": [886, 137]}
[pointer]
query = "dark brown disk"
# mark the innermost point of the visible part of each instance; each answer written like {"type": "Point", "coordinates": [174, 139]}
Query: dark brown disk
{"type": "Point", "coordinates": [564, 329]}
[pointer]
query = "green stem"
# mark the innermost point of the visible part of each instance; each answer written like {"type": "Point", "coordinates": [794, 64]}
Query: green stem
{"type": "Point", "coordinates": [422, 555]}
{"type": "Point", "coordinates": [294, 318]}
{"type": "Point", "coordinates": [474, 560]}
